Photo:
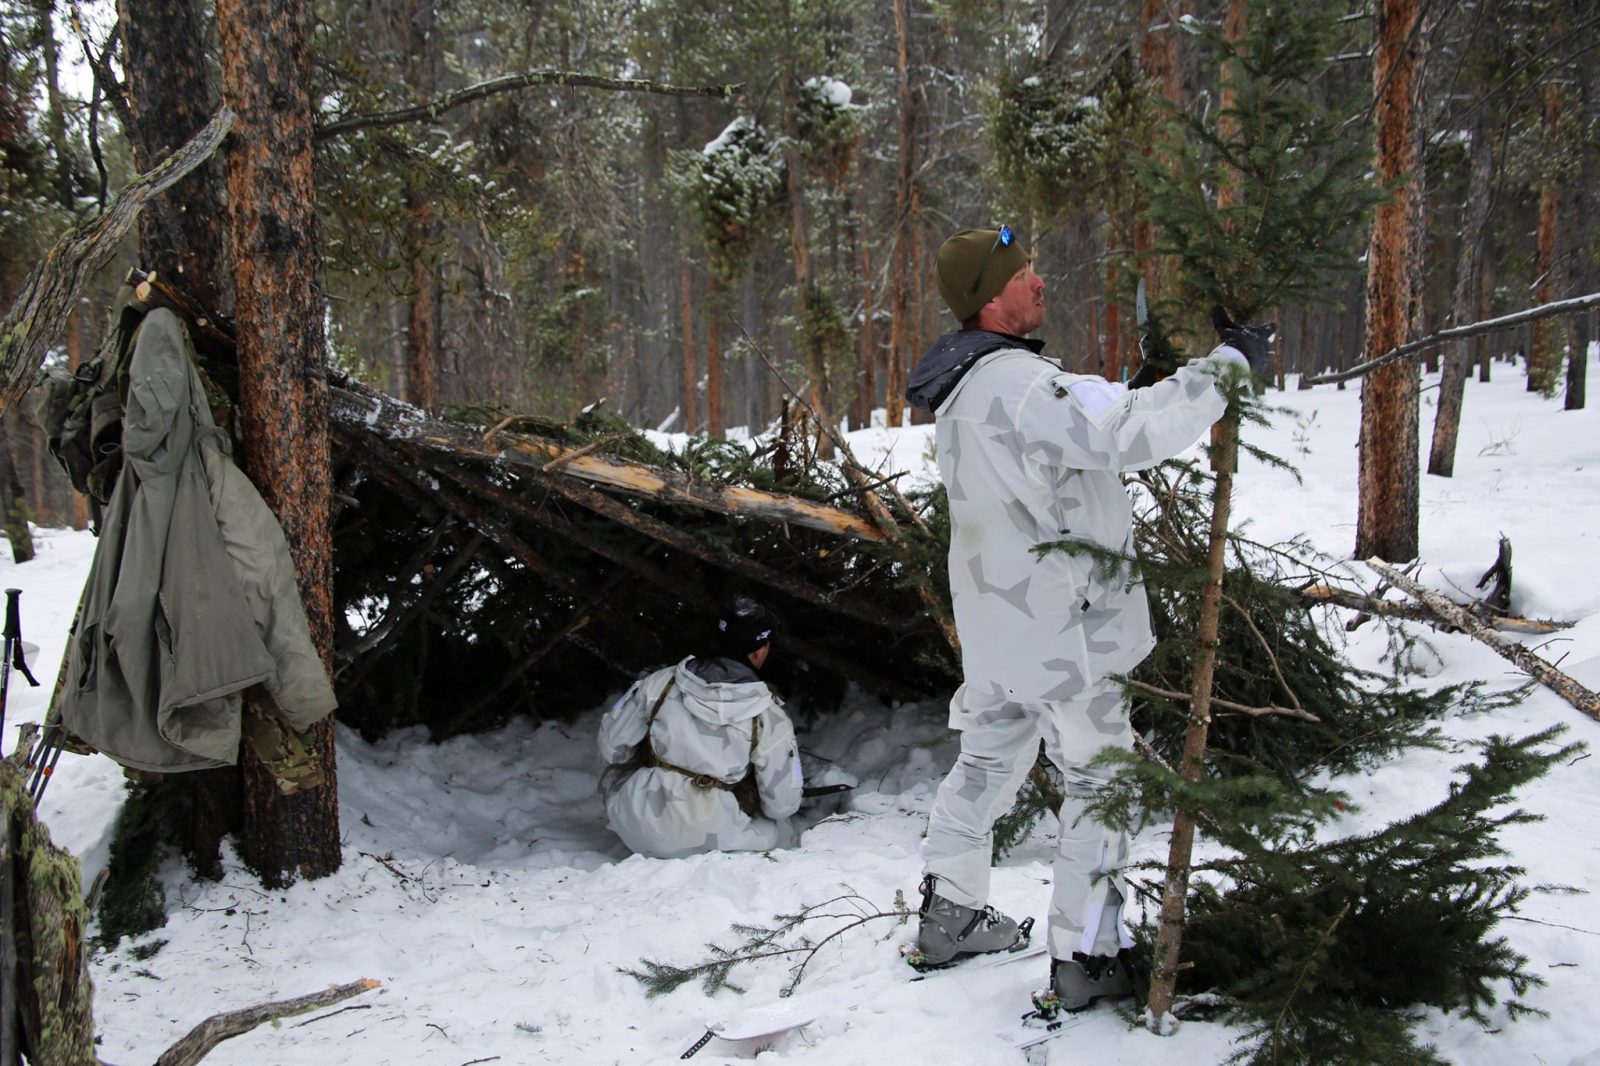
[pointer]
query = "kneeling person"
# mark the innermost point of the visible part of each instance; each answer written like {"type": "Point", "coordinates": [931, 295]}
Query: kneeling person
{"type": "Point", "coordinates": [701, 756]}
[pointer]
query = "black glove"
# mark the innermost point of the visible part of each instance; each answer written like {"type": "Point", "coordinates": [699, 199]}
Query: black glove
{"type": "Point", "coordinates": [1253, 342]}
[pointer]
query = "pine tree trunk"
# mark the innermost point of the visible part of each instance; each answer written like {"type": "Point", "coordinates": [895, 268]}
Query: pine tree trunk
{"type": "Point", "coordinates": [1113, 369]}
{"type": "Point", "coordinates": [1180, 852]}
{"type": "Point", "coordinates": [80, 502]}
{"type": "Point", "coordinates": [180, 232]}
{"type": "Point", "coordinates": [1458, 356]}
{"type": "Point", "coordinates": [691, 375]}
{"type": "Point", "coordinates": [894, 380]}
{"type": "Point", "coordinates": [867, 375]}
{"type": "Point", "coordinates": [422, 333]}
{"type": "Point", "coordinates": [1386, 523]}
{"type": "Point", "coordinates": [713, 356]}
{"type": "Point", "coordinates": [422, 324]}
{"type": "Point", "coordinates": [266, 75]}
{"type": "Point", "coordinates": [1543, 360]}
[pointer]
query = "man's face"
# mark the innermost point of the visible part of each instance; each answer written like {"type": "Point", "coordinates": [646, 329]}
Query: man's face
{"type": "Point", "coordinates": [1019, 307]}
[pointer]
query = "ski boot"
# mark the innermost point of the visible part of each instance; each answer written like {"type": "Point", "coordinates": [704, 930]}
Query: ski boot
{"type": "Point", "coordinates": [950, 931]}
{"type": "Point", "coordinates": [1076, 983]}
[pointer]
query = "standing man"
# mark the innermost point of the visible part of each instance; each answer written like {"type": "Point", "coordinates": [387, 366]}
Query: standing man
{"type": "Point", "coordinates": [1031, 454]}
{"type": "Point", "coordinates": [701, 756]}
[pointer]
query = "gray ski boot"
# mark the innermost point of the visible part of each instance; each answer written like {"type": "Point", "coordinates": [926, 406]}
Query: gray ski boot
{"type": "Point", "coordinates": [950, 931]}
{"type": "Point", "coordinates": [1078, 982]}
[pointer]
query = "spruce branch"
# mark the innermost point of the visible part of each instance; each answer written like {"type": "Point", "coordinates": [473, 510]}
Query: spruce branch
{"type": "Point", "coordinates": [783, 939]}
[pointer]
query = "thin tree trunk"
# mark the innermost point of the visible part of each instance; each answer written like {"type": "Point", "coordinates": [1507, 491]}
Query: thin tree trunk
{"type": "Point", "coordinates": [713, 356]}
{"type": "Point", "coordinates": [1543, 360]}
{"type": "Point", "coordinates": [1180, 852]}
{"type": "Point", "coordinates": [1387, 519]}
{"type": "Point", "coordinates": [691, 374]}
{"type": "Point", "coordinates": [1458, 356]}
{"type": "Point", "coordinates": [422, 333]}
{"type": "Point", "coordinates": [894, 380]}
{"type": "Point", "coordinates": [867, 371]}
{"type": "Point", "coordinates": [1113, 316]}
{"type": "Point", "coordinates": [266, 76]}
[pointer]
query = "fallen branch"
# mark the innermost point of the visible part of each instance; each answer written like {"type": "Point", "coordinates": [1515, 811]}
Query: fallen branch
{"type": "Point", "coordinates": [1472, 329]}
{"type": "Point", "coordinates": [1453, 614]}
{"type": "Point", "coordinates": [200, 1040]}
{"type": "Point", "coordinates": [511, 83]}
{"type": "Point", "coordinates": [1237, 708]}
{"type": "Point", "coordinates": [363, 410]}
{"type": "Point", "coordinates": [1317, 595]}
{"type": "Point", "coordinates": [50, 293]}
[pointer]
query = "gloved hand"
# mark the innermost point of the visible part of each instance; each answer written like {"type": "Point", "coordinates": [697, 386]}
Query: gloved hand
{"type": "Point", "coordinates": [1253, 342]}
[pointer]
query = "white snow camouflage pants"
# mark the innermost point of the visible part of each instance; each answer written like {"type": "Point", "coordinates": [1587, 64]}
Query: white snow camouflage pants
{"type": "Point", "coordinates": [999, 743]}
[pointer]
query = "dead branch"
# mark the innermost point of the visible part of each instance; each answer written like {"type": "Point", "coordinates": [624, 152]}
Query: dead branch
{"type": "Point", "coordinates": [673, 537]}
{"type": "Point", "coordinates": [511, 83]}
{"type": "Point", "coordinates": [365, 411]}
{"type": "Point", "coordinates": [660, 576]}
{"type": "Point", "coordinates": [860, 480]}
{"type": "Point", "coordinates": [1452, 614]}
{"type": "Point", "coordinates": [200, 1040]}
{"type": "Point", "coordinates": [50, 293]}
{"type": "Point", "coordinates": [1317, 595]}
{"type": "Point", "coordinates": [1472, 329]}
{"type": "Point", "coordinates": [1236, 708]}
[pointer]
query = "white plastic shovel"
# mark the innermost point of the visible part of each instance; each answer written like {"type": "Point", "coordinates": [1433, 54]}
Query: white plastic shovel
{"type": "Point", "coordinates": [757, 1022]}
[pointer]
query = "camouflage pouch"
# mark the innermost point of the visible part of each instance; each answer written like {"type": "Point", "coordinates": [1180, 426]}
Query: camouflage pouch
{"type": "Point", "coordinates": [281, 750]}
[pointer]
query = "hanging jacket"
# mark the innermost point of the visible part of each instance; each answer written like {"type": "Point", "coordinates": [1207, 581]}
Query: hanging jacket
{"type": "Point", "coordinates": [704, 724]}
{"type": "Point", "coordinates": [191, 596]}
{"type": "Point", "coordinates": [1031, 454]}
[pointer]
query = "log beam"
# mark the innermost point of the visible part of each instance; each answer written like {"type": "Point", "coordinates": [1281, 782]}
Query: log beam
{"type": "Point", "coordinates": [362, 409]}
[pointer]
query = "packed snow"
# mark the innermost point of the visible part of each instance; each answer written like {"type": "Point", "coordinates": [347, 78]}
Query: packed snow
{"type": "Point", "coordinates": [482, 889]}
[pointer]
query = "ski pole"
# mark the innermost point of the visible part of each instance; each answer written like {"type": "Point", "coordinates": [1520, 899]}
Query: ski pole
{"type": "Point", "coordinates": [13, 653]}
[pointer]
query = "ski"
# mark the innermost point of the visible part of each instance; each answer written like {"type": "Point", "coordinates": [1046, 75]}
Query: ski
{"type": "Point", "coordinates": [1036, 1038]}
{"type": "Point", "coordinates": [1022, 949]}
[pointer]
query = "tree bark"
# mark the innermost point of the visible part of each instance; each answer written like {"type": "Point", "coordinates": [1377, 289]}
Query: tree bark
{"type": "Point", "coordinates": [713, 356]}
{"type": "Point", "coordinates": [266, 75]}
{"type": "Point", "coordinates": [181, 235]}
{"type": "Point", "coordinates": [1180, 852]}
{"type": "Point", "coordinates": [898, 359]}
{"type": "Point", "coordinates": [1458, 356]}
{"type": "Point", "coordinates": [1543, 360]}
{"type": "Point", "coordinates": [422, 334]}
{"type": "Point", "coordinates": [691, 375]}
{"type": "Point", "coordinates": [1387, 519]}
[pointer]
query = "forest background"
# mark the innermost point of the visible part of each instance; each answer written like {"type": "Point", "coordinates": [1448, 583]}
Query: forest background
{"type": "Point", "coordinates": [539, 249]}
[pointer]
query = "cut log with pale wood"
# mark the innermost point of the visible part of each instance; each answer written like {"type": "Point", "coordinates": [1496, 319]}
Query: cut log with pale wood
{"type": "Point", "coordinates": [362, 409]}
{"type": "Point", "coordinates": [1318, 595]}
{"type": "Point", "coordinates": [1453, 614]}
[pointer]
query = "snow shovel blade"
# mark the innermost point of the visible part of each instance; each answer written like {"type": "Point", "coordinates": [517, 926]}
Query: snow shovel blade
{"type": "Point", "coordinates": [769, 1020]}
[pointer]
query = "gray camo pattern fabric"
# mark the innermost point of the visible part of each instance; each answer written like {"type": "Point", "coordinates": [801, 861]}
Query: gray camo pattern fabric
{"type": "Point", "coordinates": [1026, 462]}
{"type": "Point", "coordinates": [705, 727]}
{"type": "Point", "coordinates": [1032, 455]}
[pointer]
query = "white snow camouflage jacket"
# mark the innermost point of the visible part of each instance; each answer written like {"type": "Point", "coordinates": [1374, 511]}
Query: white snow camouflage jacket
{"type": "Point", "coordinates": [1030, 454]}
{"type": "Point", "coordinates": [704, 727]}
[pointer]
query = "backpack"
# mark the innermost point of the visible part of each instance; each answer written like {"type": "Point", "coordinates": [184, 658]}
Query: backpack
{"type": "Point", "coordinates": [80, 411]}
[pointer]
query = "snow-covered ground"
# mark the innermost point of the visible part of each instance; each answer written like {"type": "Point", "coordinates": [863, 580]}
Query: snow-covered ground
{"type": "Point", "coordinates": [481, 887]}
